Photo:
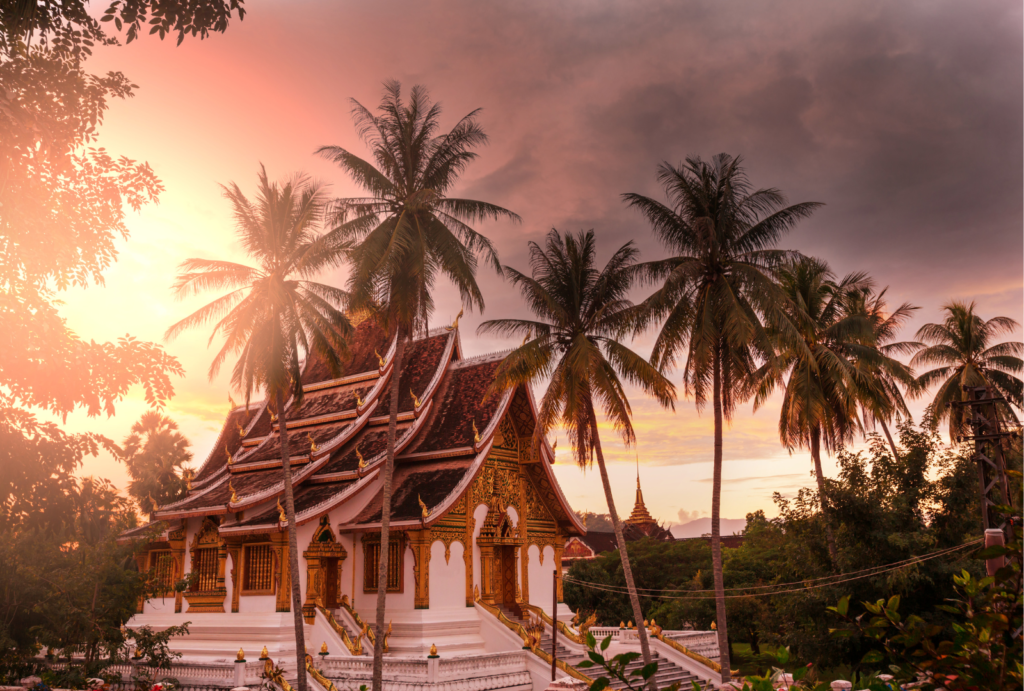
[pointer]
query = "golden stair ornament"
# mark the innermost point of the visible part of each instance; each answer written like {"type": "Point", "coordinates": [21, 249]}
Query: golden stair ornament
{"type": "Point", "coordinates": [264, 654]}
{"type": "Point", "coordinates": [433, 650]}
{"type": "Point", "coordinates": [282, 517]}
{"type": "Point", "coordinates": [323, 648]}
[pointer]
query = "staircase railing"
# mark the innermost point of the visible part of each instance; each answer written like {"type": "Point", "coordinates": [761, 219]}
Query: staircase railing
{"type": "Point", "coordinates": [529, 644]}
{"type": "Point", "coordinates": [318, 676]}
{"type": "Point", "coordinates": [355, 647]}
{"type": "Point", "coordinates": [575, 637]}
{"type": "Point", "coordinates": [275, 675]}
{"type": "Point", "coordinates": [675, 645]}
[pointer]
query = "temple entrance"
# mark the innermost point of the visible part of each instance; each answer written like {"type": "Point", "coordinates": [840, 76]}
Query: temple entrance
{"type": "Point", "coordinates": [509, 580]}
{"type": "Point", "coordinates": [330, 571]}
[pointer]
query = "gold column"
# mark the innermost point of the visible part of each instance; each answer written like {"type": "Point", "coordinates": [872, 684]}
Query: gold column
{"type": "Point", "coordinates": [314, 587]}
{"type": "Point", "coordinates": [525, 571]}
{"type": "Point", "coordinates": [279, 543]}
{"type": "Point", "coordinates": [235, 552]}
{"type": "Point", "coordinates": [177, 543]}
{"type": "Point", "coordinates": [420, 541]}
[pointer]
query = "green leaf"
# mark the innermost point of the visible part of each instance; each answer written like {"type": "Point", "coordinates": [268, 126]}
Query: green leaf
{"type": "Point", "coordinates": [599, 684]}
{"type": "Point", "coordinates": [596, 657]}
{"type": "Point", "coordinates": [605, 643]}
{"type": "Point", "coordinates": [873, 657]}
{"type": "Point", "coordinates": [844, 605]}
{"type": "Point", "coordinates": [894, 603]}
{"type": "Point", "coordinates": [591, 642]}
{"type": "Point", "coordinates": [585, 664]}
{"type": "Point", "coordinates": [649, 670]}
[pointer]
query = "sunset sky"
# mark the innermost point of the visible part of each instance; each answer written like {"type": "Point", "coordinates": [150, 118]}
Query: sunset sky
{"type": "Point", "coordinates": [905, 119]}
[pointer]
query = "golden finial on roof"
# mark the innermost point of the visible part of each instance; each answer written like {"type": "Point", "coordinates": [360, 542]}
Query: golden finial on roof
{"type": "Point", "coordinates": [231, 459]}
{"type": "Point", "coordinates": [241, 430]}
{"type": "Point", "coordinates": [476, 433]}
{"type": "Point", "coordinates": [234, 497]}
{"type": "Point", "coordinates": [359, 400]}
{"type": "Point", "coordinates": [264, 654]}
{"type": "Point", "coordinates": [273, 415]}
{"type": "Point", "coordinates": [231, 402]}
{"type": "Point", "coordinates": [380, 360]}
{"type": "Point", "coordinates": [240, 656]}
{"type": "Point", "coordinates": [362, 461]}
{"type": "Point", "coordinates": [415, 401]}
{"type": "Point", "coordinates": [424, 511]}
{"type": "Point", "coordinates": [455, 324]}
{"type": "Point", "coordinates": [281, 515]}
{"type": "Point", "coordinates": [313, 448]}
{"type": "Point", "coordinates": [323, 648]}
{"type": "Point", "coordinates": [433, 650]}
{"type": "Point", "coordinates": [189, 474]}
{"type": "Point", "coordinates": [152, 501]}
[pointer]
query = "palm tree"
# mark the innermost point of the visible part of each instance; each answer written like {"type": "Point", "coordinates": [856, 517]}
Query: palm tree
{"type": "Point", "coordinates": [402, 236]}
{"type": "Point", "coordinates": [714, 292]}
{"type": "Point", "coordinates": [154, 454]}
{"type": "Point", "coordinates": [273, 316]}
{"type": "Point", "coordinates": [826, 387]}
{"type": "Point", "coordinates": [883, 400]}
{"type": "Point", "coordinates": [963, 354]}
{"type": "Point", "coordinates": [580, 313]}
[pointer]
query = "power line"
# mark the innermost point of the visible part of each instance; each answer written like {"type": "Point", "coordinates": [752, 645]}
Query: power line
{"type": "Point", "coordinates": [843, 578]}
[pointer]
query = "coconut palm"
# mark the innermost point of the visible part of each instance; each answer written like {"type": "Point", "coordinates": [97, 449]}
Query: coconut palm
{"type": "Point", "coordinates": [154, 454]}
{"type": "Point", "coordinates": [714, 292]}
{"type": "Point", "coordinates": [962, 352]}
{"type": "Point", "coordinates": [825, 388]}
{"type": "Point", "coordinates": [580, 312]}
{"type": "Point", "coordinates": [402, 236]}
{"type": "Point", "coordinates": [273, 316]}
{"type": "Point", "coordinates": [883, 400]}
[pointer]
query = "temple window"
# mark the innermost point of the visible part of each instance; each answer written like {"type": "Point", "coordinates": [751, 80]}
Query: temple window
{"type": "Point", "coordinates": [161, 569]}
{"type": "Point", "coordinates": [204, 566]}
{"type": "Point", "coordinates": [371, 552]}
{"type": "Point", "coordinates": [258, 569]}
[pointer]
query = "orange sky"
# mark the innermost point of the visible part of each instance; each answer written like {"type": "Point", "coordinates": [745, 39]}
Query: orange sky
{"type": "Point", "coordinates": [905, 121]}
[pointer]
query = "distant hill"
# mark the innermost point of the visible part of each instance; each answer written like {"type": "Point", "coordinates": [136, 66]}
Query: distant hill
{"type": "Point", "coordinates": [700, 526]}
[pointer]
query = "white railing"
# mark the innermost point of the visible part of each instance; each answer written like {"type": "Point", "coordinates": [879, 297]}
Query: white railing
{"type": "Point", "coordinates": [701, 642]}
{"type": "Point", "coordinates": [482, 665]}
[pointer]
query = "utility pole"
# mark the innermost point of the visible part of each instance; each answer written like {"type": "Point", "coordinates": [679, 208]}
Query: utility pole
{"type": "Point", "coordinates": [554, 621]}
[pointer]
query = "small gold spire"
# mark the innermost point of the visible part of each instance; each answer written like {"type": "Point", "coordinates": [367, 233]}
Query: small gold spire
{"type": "Point", "coordinates": [380, 360]}
{"type": "Point", "coordinates": [189, 474]}
{"type": "Point", "coordinates": [622, 624]}
{"type": "Point", "coordinates": [273, 417]}
{"type": "Point", "coordinates": [323, 648]}
{"type": "Point", "coordinates": [313, 448]}
{"type": "Point", "coordinates": [415, 401]}
{"type": "Point", "coordinates": [714, 626]}
{"type": "Point", "coordinates": [264, 654]}
{"type": "Point", "coordinates": [234, 497]}
{"type": "Point", "coordinates": [424, 511]}
{"type": "Point", "coordinates": [362, 461]}
{"type": "Point", "coordinates": [630, 625]}
{"type": "Point", "coordinates": [455, 324]}
{"type": "Point", "coordinates": [647, 624]}
{"type": "Point", "coordinates": [359, 400]}
{"type": "Point", "coordinates": [281, 516]}
{"type": "Point", "coordinates": [433, 648]}
{"type": "Point", "coordinates": [230, 458]}
{"type": "Point", "coordinates": [476, 433]}
{"type": "Point", "coordinates": [241, 655]}
{"type": "Point", "coordinates": [231, 402]}
{"type": "Point", "coordinates": [241, 430]}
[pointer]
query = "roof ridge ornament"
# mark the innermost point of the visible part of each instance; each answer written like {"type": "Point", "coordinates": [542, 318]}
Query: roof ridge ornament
{"type": "Point", "coordinates": [455, 324]}
{"type": "Point", "coordinates": [362, 461]}
{"type": "Point", "coordinates": [313, 448]}
{"type": "Point", "coordinates": [282, 517]}
{"type": "Point", "coordinates": [424, 511]}
{"type": "Point", "coordinates": [415, 401]}
{"type": "Point", "coordinates": [380, 360]}
{"type": "Point", "coordinates": [234, 497]}
{"type": "Point", "coordinates": [359, 400]}
{"type": "Point", "coordinates": [476, 433]}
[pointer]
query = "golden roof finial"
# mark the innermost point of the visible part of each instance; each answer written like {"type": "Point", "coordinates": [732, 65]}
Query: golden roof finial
{"type": "Point", "coordinates": [282, 517]}
{"type": "Point", "coordinates": [240, 656]}
{"type": "Point", "coordinates": [231, 459]}
{"type": "Point", "coordinates": [323, 648]}
{"type": "Point", "coordinates": [241, 430]}
{"type": "Point", "coordinates": [234, 497]}
{"type": "Point", "coordinates": [362, 461]}
{"type": "Point", "coordinates": [380, 360]}
{"type": "Point", "coordinates": [359, 400]}
{"type": "Point", "coordinates": [476, 433]}
{"type": "Point", "coordinates": [264, 654]}
{"type": "Point", "coordinates": [424, 511]}
{"type": "Point", "coordinates": [188, 475]}
{"type": "Point", "coordinates": [455, 324]}
{"type": "Point", "coordinates": [313, 448]}
{"type": "Point", "coordinates": [152, 501]}
{"type": "Point", "coordinates": [415, 400]}
{"type": "Point", "coordinates": [231, 402]}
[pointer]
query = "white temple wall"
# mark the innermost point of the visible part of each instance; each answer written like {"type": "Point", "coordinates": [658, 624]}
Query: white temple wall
{"type": "Point", "coordinates": [447, 581]}
{"type": "Point", "coordinates": [366, 603]}
{"type": "Point", "coordinates": [347, 566]}
{"type": "Point", "coordinates": [159, 605]}
{"type": "Point", "coordinates": [255, 603]}
{"type": "Point", "coordinates": [540, 576]}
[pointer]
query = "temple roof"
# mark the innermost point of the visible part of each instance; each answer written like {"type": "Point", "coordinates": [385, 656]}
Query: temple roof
{"type": "Point", "coordinates": [337, 435]}
{"type": "Point", "coordinates": [640, 515]}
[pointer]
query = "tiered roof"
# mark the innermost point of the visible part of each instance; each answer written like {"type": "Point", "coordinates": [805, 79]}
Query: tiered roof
{"type": "Point", "coordinates": [338, 434]}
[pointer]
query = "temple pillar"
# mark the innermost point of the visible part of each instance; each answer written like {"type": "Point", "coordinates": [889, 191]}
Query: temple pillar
{"type": "Point", "coordinates": [420, 541]}
{"type": "Point", "coordinates": [524, 569]}
{"type": "Point", "coordinates": [279, 544]}
{"type": "Point", "coordinates": [176, 539]}
{"type": "Point", "coordinates": [467, 555]}
{"type": "Point", "coordinates": [235, 552]}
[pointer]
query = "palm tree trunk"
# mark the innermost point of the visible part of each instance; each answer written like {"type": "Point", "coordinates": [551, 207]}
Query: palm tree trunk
{"type": "Point", "coordinates": [627, 569]}
{"type": "Point", "coordinates": [825, 511]}
{"type": "Point", "coordinates": [293, 544]}
{"type": "Point", "coordinates": [385, 516]}
{"type": "Point", "coordinates": [716, 524]}
{"type": "Point", "coordinates": [892, 444]}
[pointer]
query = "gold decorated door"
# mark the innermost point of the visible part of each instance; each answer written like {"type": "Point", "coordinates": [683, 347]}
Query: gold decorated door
{"type": "Point", "coordinates": [508, 579]}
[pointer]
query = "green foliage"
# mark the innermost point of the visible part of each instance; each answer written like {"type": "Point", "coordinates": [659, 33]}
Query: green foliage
{"type": "Point", "coordinates": [615, 668]}
{"type": "Point", "coordinates": [155, 453]}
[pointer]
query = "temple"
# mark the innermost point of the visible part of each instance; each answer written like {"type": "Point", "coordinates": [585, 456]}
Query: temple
{"type": "Point", "coordinates": [478, 522]}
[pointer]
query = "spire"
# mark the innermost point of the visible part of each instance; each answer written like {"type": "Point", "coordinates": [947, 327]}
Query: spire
{"type": "Point", "coordinates": [640, 515]}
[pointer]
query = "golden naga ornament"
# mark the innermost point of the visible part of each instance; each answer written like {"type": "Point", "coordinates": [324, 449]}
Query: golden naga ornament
{"type": "Point", "coordinates": [241, 430]}
{"type": "Point", "coordinates": [189, 474]}
{"type": "Point", "coordinates": [152, 501]}
{"type": "Point", "coordinates": [415, 401]}
{"type": "Point", "coordinates": [362, 461]}
{"type": "Point", "coordinates": [313, 448]}
{"type": "Point", "coordinates": [234, 497]}
{"type": "Point", "coordinates": [240, 657]}
{"type": "Point", "coordinates": [424, 511]}
{"type": "Point", "coordinates": [281, 515]}
{"type": "Point", "coordinates": [380, 360]}
{"type": "Point", "coordinates": [455, 324]}
{"type": "Point", "coordinates": [476, 433]}
{"type": "Point", "coordinates": [359, 400]}
{"type": "Point", "coordinates": [231, 459]}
